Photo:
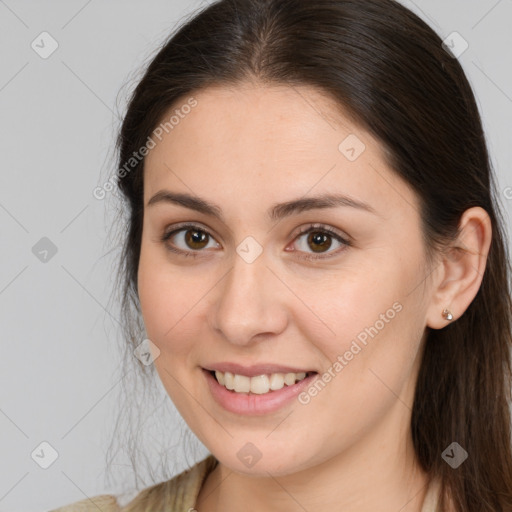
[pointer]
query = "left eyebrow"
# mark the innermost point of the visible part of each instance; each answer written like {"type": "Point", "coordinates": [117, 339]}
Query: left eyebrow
{"type": "Point", "coordinates": [281, 210]}
{"type": "Point", "coordinates": [275, 212]}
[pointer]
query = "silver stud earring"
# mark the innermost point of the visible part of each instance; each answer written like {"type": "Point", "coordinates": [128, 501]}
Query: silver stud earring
{"type": "Point", "coordinates": [448, 315]}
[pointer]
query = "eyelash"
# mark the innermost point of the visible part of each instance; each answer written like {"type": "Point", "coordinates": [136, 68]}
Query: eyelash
{"type": "Point", "coordinates": [316, 228]}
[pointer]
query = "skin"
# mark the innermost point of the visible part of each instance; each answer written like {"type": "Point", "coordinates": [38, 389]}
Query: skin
{"type": "Point", "coordinates": [350, 447]}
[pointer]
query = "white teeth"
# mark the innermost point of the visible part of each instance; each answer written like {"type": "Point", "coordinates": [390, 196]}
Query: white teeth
{"type": "Point", "coordinates": [259, 384]}
{"type": "Point", "coordinates": [228, 380]}
{"type": "Point", "coordinates": [289, 379]}
{"type": "Point", "coordinates": [241, 383]}
{"type": "Point", "coordinates": [276, 381]}
{"type": "Point", "coordinates": [220, 377]}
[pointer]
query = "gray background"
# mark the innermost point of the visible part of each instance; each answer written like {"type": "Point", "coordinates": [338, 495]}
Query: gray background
{"type": "Point", "coordinates": [58, 117]}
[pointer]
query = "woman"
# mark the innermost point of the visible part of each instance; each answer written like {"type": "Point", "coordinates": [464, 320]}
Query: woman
{"type": "Point", "coordinates": [317, 253]}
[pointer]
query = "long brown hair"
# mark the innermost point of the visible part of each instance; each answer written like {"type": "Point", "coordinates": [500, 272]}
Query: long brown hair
{"type": "Point", "coordinates": [389, 70]}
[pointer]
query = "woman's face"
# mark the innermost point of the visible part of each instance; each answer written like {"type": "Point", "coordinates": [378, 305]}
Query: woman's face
{"type": "Point", "coordinates": [240, 295]}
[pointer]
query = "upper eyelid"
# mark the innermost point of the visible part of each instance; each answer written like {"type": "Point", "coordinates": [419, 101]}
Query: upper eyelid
{"type": "Point", "coordinates": [176, 228]}
{"type": "Point", "coordinates": [344, 240]}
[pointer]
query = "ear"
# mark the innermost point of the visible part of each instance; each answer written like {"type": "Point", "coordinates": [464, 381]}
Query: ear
{"type": "Point", "coordinates": [459, 274]}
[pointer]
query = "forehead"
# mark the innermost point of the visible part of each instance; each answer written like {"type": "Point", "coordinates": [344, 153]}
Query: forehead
{"type": "Point", "coordinates": [249, 115]}
{"type": "Point", "coordinates": [275, 142]}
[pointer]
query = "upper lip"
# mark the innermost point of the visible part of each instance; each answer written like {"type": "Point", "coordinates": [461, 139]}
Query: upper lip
{"type": "Point", "coordinates": [253, 370]}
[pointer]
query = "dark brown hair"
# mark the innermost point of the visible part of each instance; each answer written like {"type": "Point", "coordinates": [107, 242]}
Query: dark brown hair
{"type": "Point", "coordinates": [387, 69]}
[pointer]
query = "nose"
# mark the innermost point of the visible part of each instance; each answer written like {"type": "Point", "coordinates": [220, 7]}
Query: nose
{"type": "Point", "coordinates": [251, 303]}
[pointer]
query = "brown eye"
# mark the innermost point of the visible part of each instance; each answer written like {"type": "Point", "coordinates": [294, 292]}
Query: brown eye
{"type": "Point", "coordinates": [195, 239]}
{"type": "Point", "coordinates": [188, 240]}
{"type": "Point", "coordinates": [319, 241]}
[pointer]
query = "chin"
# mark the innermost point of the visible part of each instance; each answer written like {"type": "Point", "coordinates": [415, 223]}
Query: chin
{"type": "Point", "coordinates": [250, 461]}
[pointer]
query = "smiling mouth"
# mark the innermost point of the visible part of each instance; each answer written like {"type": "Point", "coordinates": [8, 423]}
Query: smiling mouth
{"type": "Point", "coordinates": [260, 384]}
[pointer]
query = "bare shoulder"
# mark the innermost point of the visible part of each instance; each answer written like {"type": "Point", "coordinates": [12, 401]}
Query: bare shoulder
{"type": "Point", "coordinates": [105, 503]}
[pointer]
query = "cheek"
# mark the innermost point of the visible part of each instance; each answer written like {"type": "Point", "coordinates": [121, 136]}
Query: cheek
{"type": "Point", "coordinates": [160, 303]}
{"type": "Point", "coordinates": [332, 308]}
{"type": "Point", "coordinates": [166, 302]}
{"type": "Point", "coordinates": [346, 305]}
{"type": "Point", "coordinates": [366, 318]}
{"type": "Point", "coordinates": [171, 298]}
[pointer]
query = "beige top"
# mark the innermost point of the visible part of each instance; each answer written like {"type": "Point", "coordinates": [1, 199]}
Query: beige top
{"type": "Point", "coordinates": [180, 495]}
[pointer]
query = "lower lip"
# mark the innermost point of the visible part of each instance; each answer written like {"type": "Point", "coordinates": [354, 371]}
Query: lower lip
{"type": "Point", "coordinates": [253, 404]}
